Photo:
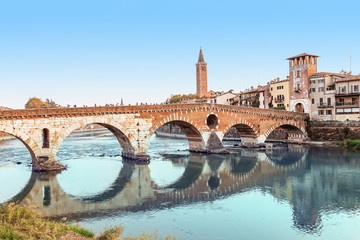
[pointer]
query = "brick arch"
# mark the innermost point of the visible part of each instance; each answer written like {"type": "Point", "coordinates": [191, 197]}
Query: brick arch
{"type": "Point", "coordinates": [122, 134]}
{"type": "Point", "coordinates": [174, 118]}
{"type": "Point", "coordinates": [284, 123]}
{"type": "Point", "coordinates": [243, 122]}
{"type": "Point", "coordinates": [192, 131]}
{"type": "Point", "coordinates": [29, 143]}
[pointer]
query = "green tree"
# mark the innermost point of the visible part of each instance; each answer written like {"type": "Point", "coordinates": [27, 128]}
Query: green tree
{"type": "Point", "coordinates": [180, 97]}
{"type": "Point", "coordinates": [34, 102]}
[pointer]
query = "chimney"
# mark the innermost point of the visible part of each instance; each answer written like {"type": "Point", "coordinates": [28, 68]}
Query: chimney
{"type": "Point", "coordinates": [252, 87]}
{"type": "Point", "coordinates": [278, 79]}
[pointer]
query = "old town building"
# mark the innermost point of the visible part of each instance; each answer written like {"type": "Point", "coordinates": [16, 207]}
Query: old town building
{"type": "Point", "coordinates": [322, 95]}
{"type": "Point", "coordinates": [280, 94]}
{"type": "Point", "coordinates": [300, 68]}
{"type": "Point", "coordinates": [222, 98]}
{"type": "Point", "coordinates": [347, 98]}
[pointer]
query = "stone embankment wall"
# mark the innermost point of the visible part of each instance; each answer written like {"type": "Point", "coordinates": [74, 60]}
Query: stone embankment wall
{"type": "Point", "coordinates": [334, 131]}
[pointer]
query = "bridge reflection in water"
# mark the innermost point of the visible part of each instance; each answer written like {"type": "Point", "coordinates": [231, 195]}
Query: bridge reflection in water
{"type": "Point", "coordinates": [286, 174]}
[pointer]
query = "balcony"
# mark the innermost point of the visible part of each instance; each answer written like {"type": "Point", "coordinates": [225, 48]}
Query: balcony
{"type": "Point", "coordinates": [325, 105]}
{"type": "Point", "coordinates": [344, 93]}
{"type": "Point", "coordinates": [297, 89]}
{"type": "Point", "coordinates": [347, 104]}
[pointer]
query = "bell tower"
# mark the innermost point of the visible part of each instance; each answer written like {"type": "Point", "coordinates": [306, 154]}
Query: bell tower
{"type": "Point", "coordinates": [300, 68]}
{"type": "Point", "coordinates": [201, 76]}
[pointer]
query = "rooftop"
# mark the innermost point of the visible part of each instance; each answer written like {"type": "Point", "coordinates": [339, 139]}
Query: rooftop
{"type": "Point", "coordinates": [349, 78]}
{"type": "Point", "coordinates": [301, 55]}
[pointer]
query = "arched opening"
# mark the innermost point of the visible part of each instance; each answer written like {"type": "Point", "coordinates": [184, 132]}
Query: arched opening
{"type": "Point", "coordinates": [45, 138]}
{"type": "Point", "coordinates": [212, 121]}
{"type": "Point", "coordinates": [284, 133]}
{"type": "Point", "coordinates": [16, 158]}
{"type": "Point", "coordinates": [178, 136]}
{"type": "Point", "coordinates": [171, 161]}
{"type": "Point", "coordinates": [299, 107]}
{"type": "Point", "coordinates": [91, 153]}
{"type": "Point", "coordinates": [94, 140]}
{"type": "Point", "coordinates": [238, 135]}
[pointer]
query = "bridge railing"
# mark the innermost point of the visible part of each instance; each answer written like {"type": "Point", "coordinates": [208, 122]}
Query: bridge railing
{"type": "Point", "coordinates": [47, 112]}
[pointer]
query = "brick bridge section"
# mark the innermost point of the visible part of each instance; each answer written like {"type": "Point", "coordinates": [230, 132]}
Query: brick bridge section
{"type": "Point", "coordinates": [43, 130]}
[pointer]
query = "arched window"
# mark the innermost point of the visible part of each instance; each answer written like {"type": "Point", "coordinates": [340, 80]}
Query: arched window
{"type": "Point", "coordinates": [45, 138]}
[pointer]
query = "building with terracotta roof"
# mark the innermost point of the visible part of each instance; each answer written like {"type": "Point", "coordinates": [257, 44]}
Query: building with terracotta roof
{"type": "Point", "coordinates": [280, 94]}
{"type": "Point", "coordinates": [300, 68]}
{"type": "Point", "coordinates": [347, 98]}
{"type": "Point", "coordinates": [322, 95]}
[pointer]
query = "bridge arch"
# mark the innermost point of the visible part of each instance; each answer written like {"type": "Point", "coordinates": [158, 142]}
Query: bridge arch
{"type": "Point", "coordinates": [29, 143]}
{"type": "Point", "coordinates": [123, 135]}
{"type": "Point", "coordinates": [291, 128]}
{"type": "Point", "coordinates": [244, 127]}
{"type": "Point", "coordinates": [192, 132]}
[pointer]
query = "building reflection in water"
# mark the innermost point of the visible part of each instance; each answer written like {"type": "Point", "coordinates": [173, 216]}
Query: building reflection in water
{"type": "Point", "coordinates": [313, 181]}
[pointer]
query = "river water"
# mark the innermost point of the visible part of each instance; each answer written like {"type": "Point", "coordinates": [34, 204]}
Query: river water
{"type": "Point", "coordinates": [287, 193]}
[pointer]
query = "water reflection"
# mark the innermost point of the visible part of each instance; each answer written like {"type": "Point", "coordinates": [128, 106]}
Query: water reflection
{"type": "Point", "coordinates": [315, 182]}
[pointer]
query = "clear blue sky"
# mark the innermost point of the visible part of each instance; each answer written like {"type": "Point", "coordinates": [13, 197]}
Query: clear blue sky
{"type": "Point", "coordinates": [86, 52]}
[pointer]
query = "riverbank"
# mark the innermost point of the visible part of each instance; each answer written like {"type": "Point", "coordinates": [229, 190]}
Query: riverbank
{"type": "Point", "coordinates": [23, 223]}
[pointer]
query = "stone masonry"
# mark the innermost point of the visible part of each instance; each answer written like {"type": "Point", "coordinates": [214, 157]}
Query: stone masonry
{"type": "Point", "coordinates": [43, 130]}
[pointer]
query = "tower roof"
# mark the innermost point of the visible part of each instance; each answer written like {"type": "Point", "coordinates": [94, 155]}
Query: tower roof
{"type": "Point", "coordinates": [201, 57]}
{"type": "Point", "coordinates": [301, 55]}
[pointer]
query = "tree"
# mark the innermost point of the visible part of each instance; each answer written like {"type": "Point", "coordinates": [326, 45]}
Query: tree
{"type": "Point", "coordinates": [34, 102]}
{"type": "Point", "coordinates": [180, 97]}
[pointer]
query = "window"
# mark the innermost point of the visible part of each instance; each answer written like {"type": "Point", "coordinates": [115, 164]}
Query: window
{"type": "Point", "coordinates": [321, 100]}
{"type": "Point", "coordinates": [298, 74]}
{"type": "Point", "coordinates": [329, 112]}
{"type": "Point", "coordinates": [321, 89]}
{"type": "Point", "coordinates": [354, 101]}
{"type": "Point", "coordinates": [312, 81]}
{"type": "Point", "coordinates": [280, 105]}
{"type": "Point", "coordinates": [312, 90]}
{"type": "Point", "coordinates": [321, 112]}
{"type": "Point", "coordinates": [45, 138]}
{"type": "Point", "coordinates": [354, 88]}
{"type": "Point", "coordinates": [271, 89]}
{"type": "Point", "coordinates": [321, 81]}
{"type": "Point", "coordinates": [342, 89]}
{"type": "Point", "coordinates": [280, 87]}
{"type": "Point", "coordinates": [312, 101]}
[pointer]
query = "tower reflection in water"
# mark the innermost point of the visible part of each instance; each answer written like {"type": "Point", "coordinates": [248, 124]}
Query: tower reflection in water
{"type": "Point", "coordinates": [312, 181]}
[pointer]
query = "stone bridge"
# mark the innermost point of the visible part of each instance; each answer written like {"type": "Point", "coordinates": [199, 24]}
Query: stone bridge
{"type": "Point", "coordinates": [43, 130]}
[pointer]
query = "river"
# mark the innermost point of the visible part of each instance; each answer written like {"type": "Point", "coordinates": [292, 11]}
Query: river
{"type": "Point", "coordinates": [288, 193]}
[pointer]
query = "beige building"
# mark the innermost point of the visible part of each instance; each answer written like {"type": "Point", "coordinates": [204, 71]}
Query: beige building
{"type": "Point", "coordinates": [347, 98]}
{"type": "Point", "coordinates": [322, 95]}
{"type": "Point", "coordinates": [280, 93]}
{"type": "Point", "coordinates": [223, 98]}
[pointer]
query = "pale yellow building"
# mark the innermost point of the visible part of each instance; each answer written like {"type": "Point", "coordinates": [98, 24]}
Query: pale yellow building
{"type": "Point", "coordinates": [280, 93]}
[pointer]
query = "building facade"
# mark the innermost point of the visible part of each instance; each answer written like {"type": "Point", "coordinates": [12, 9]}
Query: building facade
{"type": "Point", "coordinates": [280, 93]}
{"type": "Point", "coordinates": [347, 98]}
{"type": "Point", "coordinates": [300, 68]}
{"type": "Point", "coordinates": [322, 95]}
